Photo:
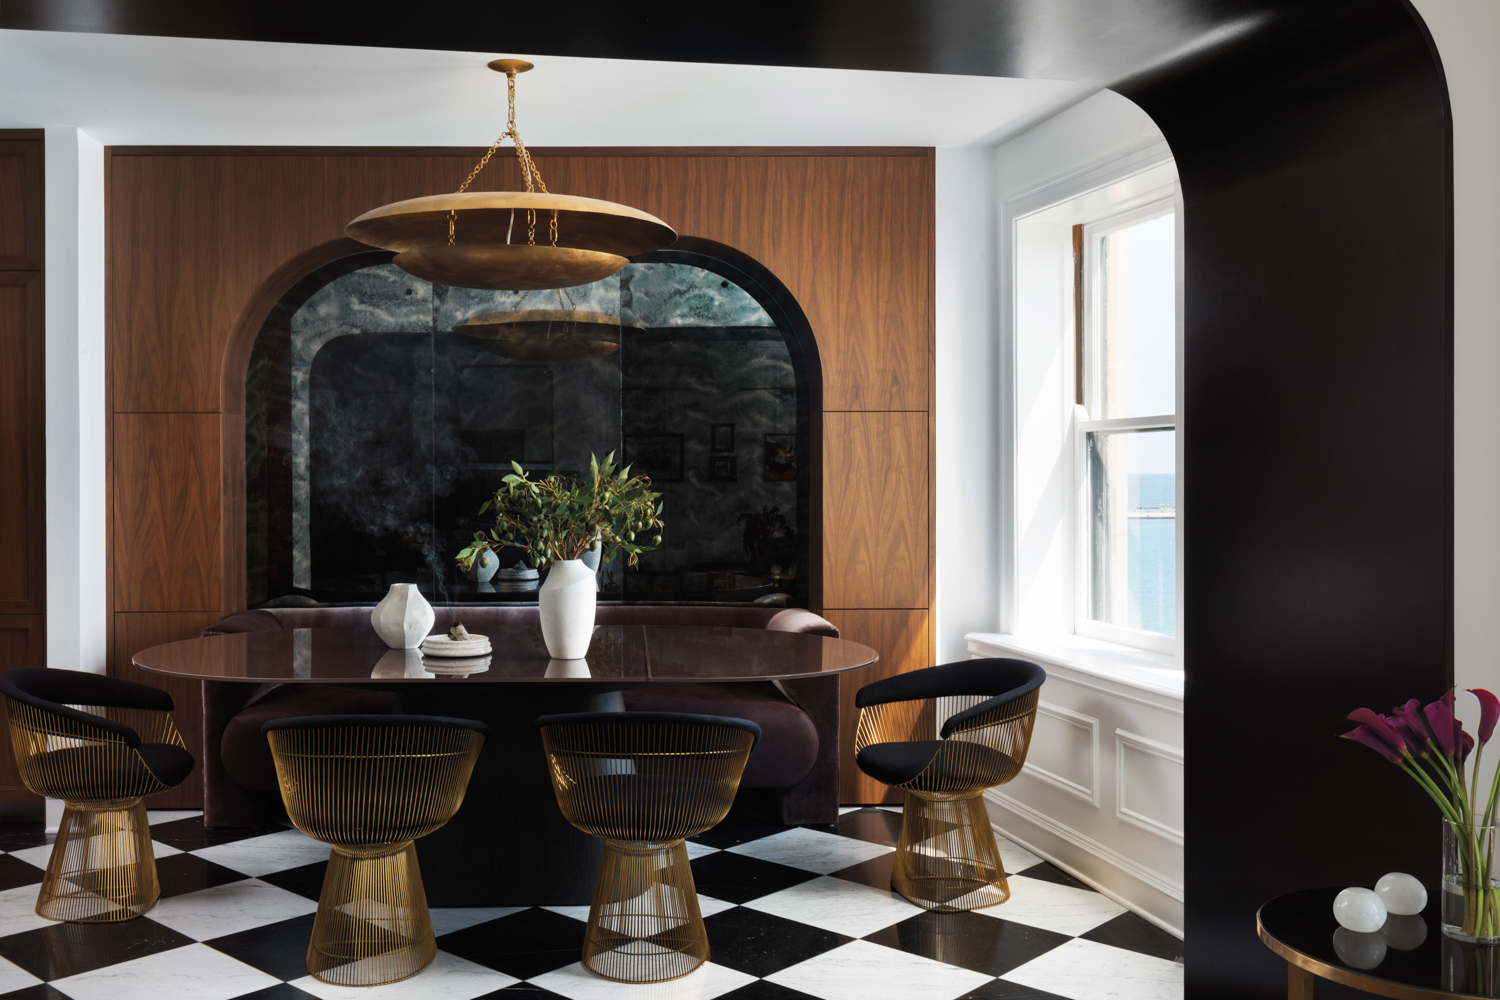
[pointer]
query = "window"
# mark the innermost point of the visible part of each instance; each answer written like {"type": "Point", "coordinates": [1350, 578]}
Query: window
{"type": "Point", "coordinates": [1126, 428]}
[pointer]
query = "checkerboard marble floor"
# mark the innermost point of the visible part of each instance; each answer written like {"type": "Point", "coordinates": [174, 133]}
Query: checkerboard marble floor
{"type": "Point", "coordinates": [792, 914]}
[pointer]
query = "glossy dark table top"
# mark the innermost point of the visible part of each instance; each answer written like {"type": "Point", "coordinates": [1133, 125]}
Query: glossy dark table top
{"type": "Point", "coordinates": [629, 653]}
{"type": "Point", "coordinates": [1408, 957]}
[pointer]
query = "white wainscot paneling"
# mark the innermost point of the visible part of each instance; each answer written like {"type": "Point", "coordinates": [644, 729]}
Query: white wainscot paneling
{"type": "Point", "coordinates": [1148, 776]}
{"type": "Point", "coordinates": [1065, 752]}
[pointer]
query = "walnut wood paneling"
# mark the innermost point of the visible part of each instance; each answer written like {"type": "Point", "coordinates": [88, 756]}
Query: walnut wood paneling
{"type": "Point", "coordinates": [22, 444]}
{"type": "Point", "coordinates": [876, 510]}
{"type": "Point", "coordinates": [904, 640]}
{"type": "Point", "coordinates": [23, 643]}
{"type": "Point", "coordinates": [167, 538]}
{"type": "Point", "coordinates": [132, 633]}
{"type": "Point", "coordinates": [851, 236]}
{"type": "Point", "coordinates": [20, 200]}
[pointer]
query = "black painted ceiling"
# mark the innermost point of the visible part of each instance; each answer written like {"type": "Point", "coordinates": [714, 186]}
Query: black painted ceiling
{"type": "Point", "coordinates": [1099, 41]}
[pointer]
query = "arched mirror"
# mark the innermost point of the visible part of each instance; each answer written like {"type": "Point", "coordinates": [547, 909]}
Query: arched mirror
{"type": "Point", "coordinates": [374, 432]}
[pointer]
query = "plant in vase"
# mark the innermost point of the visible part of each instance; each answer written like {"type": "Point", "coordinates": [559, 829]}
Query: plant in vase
{"type": "Point", "coordinates": [1430, 744]}
{"type": "Point", "coordinates": [558, 519]}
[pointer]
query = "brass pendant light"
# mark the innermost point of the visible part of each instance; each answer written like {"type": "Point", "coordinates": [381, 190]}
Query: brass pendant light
{"type": "Point", "coordinates": [488, 239]}
{"type": "Point", "coordinates": [564, 334]}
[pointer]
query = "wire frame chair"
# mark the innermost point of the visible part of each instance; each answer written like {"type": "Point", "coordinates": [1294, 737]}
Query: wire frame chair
{"type": "Point", "coordinates": [946, 857]}
{"type": "Point", "coordinates": [645, 781]}
{"type": "Point", "coordinates": [102, 750]}
{"type": "Point", "coordinates": [368, 786]}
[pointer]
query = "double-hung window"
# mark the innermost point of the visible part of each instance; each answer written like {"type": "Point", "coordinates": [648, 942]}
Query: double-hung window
{"type": "Point", "coordinates": [1126, 428]}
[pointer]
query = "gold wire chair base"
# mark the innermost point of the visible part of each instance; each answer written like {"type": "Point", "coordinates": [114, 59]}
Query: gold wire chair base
{"type": "Point", "coordinates": [101, 869]}
{"type": "Point", "coordinates": [372, 926]}
{"type": "Point", "coordinates": [644, 922]}
{"type": "Point", "coordinates": [946, 858]}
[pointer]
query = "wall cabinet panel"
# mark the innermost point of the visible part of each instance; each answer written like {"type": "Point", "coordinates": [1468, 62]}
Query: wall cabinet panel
{"type": "Point", "coordinates": [23, 494]}
{"type": "Point", "coordinates": [21, 203]}
{"type": "Point", "coordinates": [904, 640]}
{"type": "Point", "coordinates": [167, 505]}
{"type": "Point", "coordinates": [23, 643]}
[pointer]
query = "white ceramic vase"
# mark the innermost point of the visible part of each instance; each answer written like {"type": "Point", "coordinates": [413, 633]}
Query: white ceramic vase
{"type": "Point", "coordinates": [482, 570]}
{"type": "Point", "coordinates": [403, 617]}
{"type": "Point", "coordinates": [566, 602]}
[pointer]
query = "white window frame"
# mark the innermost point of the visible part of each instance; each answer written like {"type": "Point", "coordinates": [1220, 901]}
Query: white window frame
{"type": "Point", "coordinates": [1085, 422]}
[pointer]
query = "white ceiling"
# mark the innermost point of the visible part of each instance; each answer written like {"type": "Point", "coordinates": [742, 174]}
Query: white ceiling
{"type": "Point", "coordinates": [127, 89]}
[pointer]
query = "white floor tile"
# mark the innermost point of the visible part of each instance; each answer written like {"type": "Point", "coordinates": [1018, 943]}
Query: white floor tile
{"type": "Point", "coordinates": [861, 971]}
{"type": "Point", "coordinates": [18, 910]}
{"type": "Point", "coordinates": [1054, 907]}
{"type": "Point", "coordinates": [1014, 857]}
{"type": "Point", "coordinates": [447, 978]}
{"type": "Point", "coordinates": [193, 972]}
{"type": "Point", "coordinates": [838, 906]}
{"type": "Point", "coordinates": [707, 906]}
{"type": "Point", "coordinates": [891, 809]}
{"type": "Point", "coordinates": [274, 852]}
{"type": "Point", "coordinates": [1086, 970]}
{"type": "Point", "coordinates": [577, 983]}
{"type": "Point", "coordinates": [155, 816]}
{"type": "Point", "coordinates": [227, 909]}
{"type": "Point", "coordinates": [849, 809]}
{"type": "Point", "coordinates": [13, 977]}
{"type": "Point", "coordinates": [38, 855]}
{"type": "Point", "coordinates": [696, 851]}
{"type": "Point", "coordinates": [446, 920]}
{"type": "Point", "coordinates": [811, 850]}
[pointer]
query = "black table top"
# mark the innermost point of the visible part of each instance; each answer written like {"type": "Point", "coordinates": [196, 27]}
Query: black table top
{"type": "Point", "coordinates": [628, 653]}
{"type": "Point", "coordinates": [1409, 957]}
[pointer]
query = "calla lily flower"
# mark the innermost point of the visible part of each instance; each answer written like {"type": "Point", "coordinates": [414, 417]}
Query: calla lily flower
{"type": "Point", "coordinates": [1444, 727]}
{"type": "Point", "coordinates": [1411, 714]}
{"type": "Point", "coordinates": [1381, 726]}
{"type": "Point", "coordinates": [1489, 712]}
{"type": "Point", "coordinates": [1415, 742]}
{"type": "Point", "coordinates": [1465, 745]}
{"type": "Point", "coordinates": [1367, 736]}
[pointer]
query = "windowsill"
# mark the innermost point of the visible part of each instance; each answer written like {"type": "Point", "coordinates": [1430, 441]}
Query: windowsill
{"type": "Point", "coordinates": [1157, 673]}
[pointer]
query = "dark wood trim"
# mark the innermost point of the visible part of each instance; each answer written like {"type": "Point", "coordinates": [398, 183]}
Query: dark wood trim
{"type": "Point", "coordinates": [477, 151]}
{"type": "Point", "coordinates": [33, 481]}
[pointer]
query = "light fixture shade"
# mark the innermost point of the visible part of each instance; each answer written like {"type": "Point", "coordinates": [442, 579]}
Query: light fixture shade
{"type": "Point", "coordinates": [502, 239]}
{"type": "Point", "coordinates": [546, 334]}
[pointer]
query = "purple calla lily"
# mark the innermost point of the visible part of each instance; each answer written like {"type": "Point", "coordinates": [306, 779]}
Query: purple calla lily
{"type": "Point", "coordinates": [1489, 712]}
{"type": "Point", "coordinates": [1381, 726]}
{"type": "Point", "coordinates": [1367, 736]}
{"type": "Point", "coordinates": [1411, 714]}
{"type": "Point", "coordinates": [1415, 742]}
{"type": "Point", "coordinates": [1465, 745]}
{"type": "Point", "coordinates": [1444, 728]}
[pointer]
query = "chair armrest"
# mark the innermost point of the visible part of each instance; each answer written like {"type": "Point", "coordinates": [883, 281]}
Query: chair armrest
{"type": "Point", "coordinates": [1003, 678]}
{"type": "Point", "coordinates": [991, 712]}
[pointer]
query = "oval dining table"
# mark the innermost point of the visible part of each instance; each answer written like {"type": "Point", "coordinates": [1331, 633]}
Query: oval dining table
{"type": "Point", "coordinates": [509, 844]}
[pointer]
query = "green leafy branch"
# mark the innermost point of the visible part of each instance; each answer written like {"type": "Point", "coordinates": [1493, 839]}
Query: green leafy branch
{"type": "Point", "coordinates": [562, 517]}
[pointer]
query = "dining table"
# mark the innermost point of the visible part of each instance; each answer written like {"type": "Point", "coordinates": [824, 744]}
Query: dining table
{"type": "Point", "coordinates": [509, 845]}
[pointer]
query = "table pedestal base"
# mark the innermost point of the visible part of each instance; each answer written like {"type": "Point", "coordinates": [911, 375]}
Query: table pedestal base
{"type": "Point", "coordinates": [1299, 983]}
{"type": "Point", "coordinates": [509, 844]}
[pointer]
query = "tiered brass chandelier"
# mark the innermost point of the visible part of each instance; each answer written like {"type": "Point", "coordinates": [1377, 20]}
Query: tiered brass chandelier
{"type": "Point", "coordinates": [488, 239]}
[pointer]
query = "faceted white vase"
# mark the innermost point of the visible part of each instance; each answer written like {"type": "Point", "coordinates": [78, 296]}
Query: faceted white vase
{"type": "Point", "coordinates": [482, 570]}
{"type": "Point", "coordinates": [403, 617]}
{"type": "Point", "coordinates": [566, 602]}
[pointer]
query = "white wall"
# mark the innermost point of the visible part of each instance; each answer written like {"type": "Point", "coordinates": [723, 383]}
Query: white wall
{"type": "Point", "coordinates": [77, 624]}
{"type": "Point", "coordinates": [1467, 33]}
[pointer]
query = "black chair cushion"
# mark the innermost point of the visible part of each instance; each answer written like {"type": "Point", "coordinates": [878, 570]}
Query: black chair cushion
{"type": "Point", "coordinates": [1003, 679]}
{"type": "Point", "coordinates": [103, 772]}
{"type": "Point", "coordinates": [54, 690]}
{"type": "Point", "coordinates": [899, 763]}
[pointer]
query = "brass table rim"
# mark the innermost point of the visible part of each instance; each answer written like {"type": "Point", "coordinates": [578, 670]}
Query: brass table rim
{"type": "Point", "coordinates": [1346, 976]}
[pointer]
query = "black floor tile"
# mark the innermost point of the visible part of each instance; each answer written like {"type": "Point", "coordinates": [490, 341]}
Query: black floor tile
{"type": "Point", "coordinates": [281, 991]}
{"type": "Point", "coordinates": [69, 949]}
{"type": "Point", "coordinates": [41, 991]}
{"type": "Point", "coordinates": [306, 881]}
{"type": "Point", "coordinates": [738, 830]}
{"type": "Point", "coordinates": [970, 940]}
{"type": "Point", "coordinates": [278, 949]}
{"type": "Point", "coordinates": [191, 835]}
{"type": "Point", "coordinates": [527, 991]}
{"type": "Point", "coordinates": [19, 836]}
{"type": "Point", "coordinates": [735, 878]}
{"type": "Point", "coordinates": [999, 989]}
{"type": "Point", "coordinates": [1136, 933]}
{"type": "Point", "coordinates": [875, 826]}
{"type": "Point", "coordinates": [184, 873]}
{"type": "Point", "coordinates": [14, 872]}
{"type": "Point", "coordinates": [762, 990]}
{"type": "Point", "coordinates": [523, 945]}
{"type": "Point", "coordinates": [1049, 873]}
{"type": "Point", "coordinates": [875, 872]}
{"type": "Point", "coordinates": [760, 944]}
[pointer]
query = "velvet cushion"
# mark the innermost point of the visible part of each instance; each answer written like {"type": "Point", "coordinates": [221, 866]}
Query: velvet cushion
{"type": "Point", "coordinates": [102, 773]}
{"type": "Point", "coordinates": [898, 763]}
{"type": "Point", "coordinates": [789, 741]}
{"type": "Point", "coordinates": [247, 755]}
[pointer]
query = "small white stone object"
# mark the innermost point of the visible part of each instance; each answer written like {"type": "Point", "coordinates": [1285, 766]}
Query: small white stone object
{"type": "Point", "coordinates": [1359, 910]}
{"type": "Point", "coordinates": [1402, 894]}
{"type": "Point", "coordinates": [566, 604]}
{"type": "Point", "coordinates": [403, 617]}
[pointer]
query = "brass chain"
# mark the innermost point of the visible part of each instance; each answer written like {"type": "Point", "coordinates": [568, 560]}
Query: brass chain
{"type": "Point", "coordinates": [530, 173]}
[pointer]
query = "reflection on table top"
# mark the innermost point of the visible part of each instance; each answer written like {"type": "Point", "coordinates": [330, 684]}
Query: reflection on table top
{"type": "Point", "coordinates": [631, 653]}
{"type": "Point", "coordinates": [1408, 957]}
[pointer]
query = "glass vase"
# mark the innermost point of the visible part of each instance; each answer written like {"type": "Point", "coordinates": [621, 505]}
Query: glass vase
{"type": "Point", "coordinates": [1471, 891]}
